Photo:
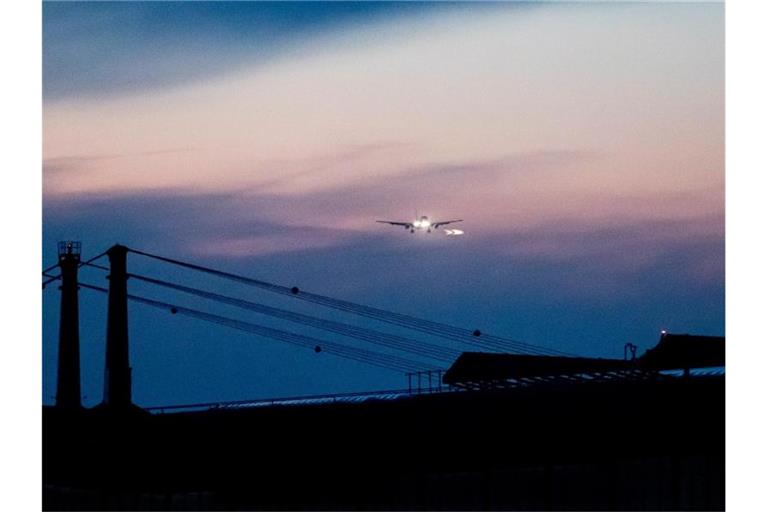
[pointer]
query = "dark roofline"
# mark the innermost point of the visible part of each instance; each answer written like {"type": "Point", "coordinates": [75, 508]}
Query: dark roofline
{"type": "Point", "coordinates": [673, 351]}
{"type": "Point", "coordinates": [480, 367]}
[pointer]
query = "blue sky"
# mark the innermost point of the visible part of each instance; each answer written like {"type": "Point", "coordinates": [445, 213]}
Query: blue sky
{"type": "Point", "coordinates": [100, 48]}
{"type": "Point", "coordinates": [581, 143]}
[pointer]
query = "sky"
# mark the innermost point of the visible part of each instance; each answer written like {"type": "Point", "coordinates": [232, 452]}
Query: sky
{"type": "Point", "coordinates": [582, 144]}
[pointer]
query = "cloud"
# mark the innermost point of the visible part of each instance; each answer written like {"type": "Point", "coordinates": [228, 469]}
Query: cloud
{"type": "Point", "coordinates": [81, 162]}
{"type": "Point", "coordinates": [180, 221]}
{"type": "Point", "coordinates": [246, 225]}
{"type": "Point", "coordinates": [71, 163]}
{"type": "Point", "coordinates": [99, 49]}
{"type": "Point", "coordinates": [314, 122]}
{"type": "Point", "coordinates": [425, 174]}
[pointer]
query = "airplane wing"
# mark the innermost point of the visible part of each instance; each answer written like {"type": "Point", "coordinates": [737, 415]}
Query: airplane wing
{"type": "Point", "coordinates": [407, 224]}
{"type": "Point", "coordinates": [444, 222]}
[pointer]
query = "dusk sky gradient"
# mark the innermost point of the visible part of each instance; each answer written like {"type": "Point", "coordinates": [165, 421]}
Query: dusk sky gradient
{"type": "Point", "coordinates": [583, 144]}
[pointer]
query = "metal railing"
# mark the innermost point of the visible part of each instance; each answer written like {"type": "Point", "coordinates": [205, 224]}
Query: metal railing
{"type": "Point", "coordinates": [292, 400]}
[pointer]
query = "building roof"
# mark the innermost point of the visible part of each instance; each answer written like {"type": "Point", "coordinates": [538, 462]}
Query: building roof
{"type": "Point", "coordinates": [674, 351]}
{"type": "Point", "coordinates": [685, 351]}
{"type": "Point", "coordinates": [484, 367]}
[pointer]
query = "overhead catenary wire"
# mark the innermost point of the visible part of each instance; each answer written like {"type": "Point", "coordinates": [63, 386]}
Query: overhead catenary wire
{"type": "Point", "coordinates": [475, 338]}
{"type": "Point", "coordinates": [446, 331]}
{"type": "Point", "coordinates": [426, 326]}
{"type": "Point", "coordinates": [55, 265]}
{"type": "Point", "coordinates": [388, 361]}
{"type": "Point", "coordinates": [371, 336]}
{"type": "Point", "coordinates": [384, 360]}
{"type": "Point", "coordinates": [81, 264]}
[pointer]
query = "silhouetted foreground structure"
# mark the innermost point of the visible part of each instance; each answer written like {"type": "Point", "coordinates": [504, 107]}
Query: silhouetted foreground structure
{"type": "Point", "coordinates": [510, 431]}
{"type": "Point", "coordinates": [68, 372]}
{"type": "Point", "coordinates": [475, 370]}
{"type": "Point", "coordinates": [631, 440]}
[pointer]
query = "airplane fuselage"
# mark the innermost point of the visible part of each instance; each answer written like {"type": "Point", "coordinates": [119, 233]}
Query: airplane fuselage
{"type": "Point", "coordinates": [421, 224]}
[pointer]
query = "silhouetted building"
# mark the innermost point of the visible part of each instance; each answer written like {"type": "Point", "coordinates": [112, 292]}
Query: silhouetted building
{"type": "Point", "coordinates": [480, 370]}
{"type": "Point", "coordinates": [685, 351]}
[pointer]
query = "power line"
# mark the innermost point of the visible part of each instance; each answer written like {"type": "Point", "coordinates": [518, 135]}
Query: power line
{"type": "Point", "coordinates": [54, 278]}
{"type": "Point", "coordinates": [392, 341]}
{"type": "Point", "coordinates": [427, 326]}
{"type": "Point", "coordinates": [55, 265]}
{"type": "Point", "coordinates": [487, 341]}
{"type": "Point", "coordinates": [387, 361]}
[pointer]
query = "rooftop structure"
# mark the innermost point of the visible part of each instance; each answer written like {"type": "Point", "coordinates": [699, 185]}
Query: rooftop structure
{"type": "Point", "coordinates": [478, 370]}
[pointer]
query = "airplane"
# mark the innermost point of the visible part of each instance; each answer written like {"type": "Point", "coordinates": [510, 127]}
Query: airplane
{"type": "Point", "coordinates": [422, 223]}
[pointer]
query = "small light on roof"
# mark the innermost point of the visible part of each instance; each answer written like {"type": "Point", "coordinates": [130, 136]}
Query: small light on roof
{"type": "Point", "coordinates": [663, 332]}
